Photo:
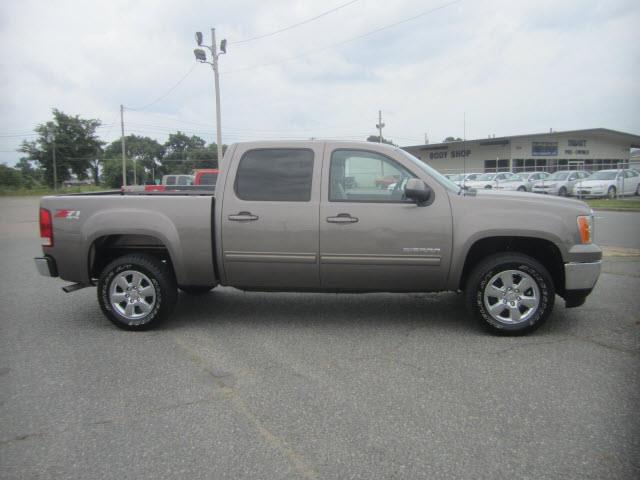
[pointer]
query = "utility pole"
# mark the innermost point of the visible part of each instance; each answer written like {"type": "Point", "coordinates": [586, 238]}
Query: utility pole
{"type": "Point", "coordinates": [202, 58]}
{"type": "Point", "coordinates": [214, 53]}
{"type": "Point", "coordinates": [124, 157]}
{"type": "Point", "coordinates": [51, 137]}
{"type": "Point", "coordinates": [380, 125]}
{"type": "Point", "coordinates": [55, 166]}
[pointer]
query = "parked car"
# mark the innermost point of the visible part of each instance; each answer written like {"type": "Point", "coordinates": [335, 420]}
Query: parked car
{"type": "Point", "coordinates": [461, 179]}
{"type": "Point", "coordinates": [610, 183]}
{"type": "Point", "coordinates": [560, 183]}
{"type": "Point", "coordinates": [281, 219]}
{"type": "Point", "coordinates": [499, 181]}
{"type": "Point", "coordinates": [205, 176]}
{"type": "Point", "coordinates": [533, 177]}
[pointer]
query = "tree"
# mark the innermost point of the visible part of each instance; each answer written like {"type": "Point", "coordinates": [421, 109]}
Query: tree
{"type": "Point", "coordinates": [31, 177]}
{"type": "Point", "coordinates": [376, 139]}
{"type": "Point", "coordinates": [184, 153]}
{"type": "Point", "coordinates": [146, 152]}
{"type": "Point", "coordinates": [10, 177]}
{"type": "Point", "coordinates": [78, 148]}
{"type": "Point", "coordinates": [112, 172]}
{"type": "Point", "coordinates": [452, 139]}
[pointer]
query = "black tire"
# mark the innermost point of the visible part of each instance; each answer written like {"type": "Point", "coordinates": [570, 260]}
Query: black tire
{"type": "Point", "coordinates": [611, 193]}
{"type": "Point", "coordinates": [522, 189]}
{"type": "Point", "coordinates": [492, 266]}
{"type": "Point", "coordinates": [195, 289]}
{"type": "Point", "coordinates": [157, 274]}
{"type": "Point", "coordinates": [638, 190]}
{"type": "Point", "coordinates": [562, 192]}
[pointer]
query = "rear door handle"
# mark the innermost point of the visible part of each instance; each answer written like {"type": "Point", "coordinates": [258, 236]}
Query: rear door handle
{"type": "Point", "coordinates": [342, 218]}
{"type": "Point", "coordinates": [243, 217]}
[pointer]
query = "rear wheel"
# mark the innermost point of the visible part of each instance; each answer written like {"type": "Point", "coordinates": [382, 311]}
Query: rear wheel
{"type": "Point", "coordinates": [611, 193]}
{"type": "Point", "coordinates": [522, 188]}
{"type": "Point", "coordinates": [137, 291]}
{"type": "Point", "coordinates": [638, 190]}
{"type": "Point", "coordinates": [510, 293]}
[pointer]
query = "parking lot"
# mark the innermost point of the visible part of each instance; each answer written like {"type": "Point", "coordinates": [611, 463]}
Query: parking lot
{"type": "Point", "coordinates": [280, 385]}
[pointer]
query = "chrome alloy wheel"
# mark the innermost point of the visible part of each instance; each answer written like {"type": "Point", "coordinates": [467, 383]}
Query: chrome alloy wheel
{"type": "Point", "coordinates": [511, 297]}
{"type": "Point", "coordinates": [132, 294]}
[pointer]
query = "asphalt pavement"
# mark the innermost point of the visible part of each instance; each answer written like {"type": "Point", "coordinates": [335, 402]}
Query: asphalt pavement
{"type": "Point", "coordinates": [283, 385]}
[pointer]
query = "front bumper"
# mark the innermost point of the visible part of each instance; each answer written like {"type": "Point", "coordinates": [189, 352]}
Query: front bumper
{"type": "Point", "coordinates": [46, 266]}
{"type": "Point", "coordinates": [581, 276]}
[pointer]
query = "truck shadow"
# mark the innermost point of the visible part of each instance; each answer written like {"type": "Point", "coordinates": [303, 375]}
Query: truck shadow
{"type": "Point", "coordinates": [227, 305]}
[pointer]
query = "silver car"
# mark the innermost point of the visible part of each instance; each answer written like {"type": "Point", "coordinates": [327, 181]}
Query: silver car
{"type": "Point", "coordinates": [560, 183]}
{"type": "Point", "coordinates": [533, 177]}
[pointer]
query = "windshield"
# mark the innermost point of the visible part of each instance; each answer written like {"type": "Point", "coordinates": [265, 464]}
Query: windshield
{"type": "Point", "coordinates": [603, 175]}
{"type": "Point", "coordinates": [437, 176]}
{"type": "Point", "coordinates": [486, 176]}
{"type": "Point", "coordinates": [558, 176]}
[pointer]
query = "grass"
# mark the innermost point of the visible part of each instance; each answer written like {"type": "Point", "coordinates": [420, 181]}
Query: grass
{"type": "Point", "coordinates": [629, 204]}
{"type": "Point", "coordinates": [41, 192]}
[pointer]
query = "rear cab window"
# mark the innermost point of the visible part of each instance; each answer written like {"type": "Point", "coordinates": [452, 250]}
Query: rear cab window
{"type": "Point", "coordinates": [275, 175]}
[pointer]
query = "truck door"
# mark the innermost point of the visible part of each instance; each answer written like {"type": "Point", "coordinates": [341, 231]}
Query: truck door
{"type": "Point", "coordinates": [371, 238]}
{"type": "Point", "coordinates": [270, 217]}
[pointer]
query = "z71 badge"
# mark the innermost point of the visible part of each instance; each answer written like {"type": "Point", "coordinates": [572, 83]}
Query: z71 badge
{"type": "Point", "coordinates": [68, 214]}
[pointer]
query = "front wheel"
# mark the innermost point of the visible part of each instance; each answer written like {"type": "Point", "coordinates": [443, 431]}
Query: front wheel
{"type": "Point", "coordinates": [510, 293]}
{"type": "Point", "coordinates": [522, 188]}
{"type": "Point", "coordinates": [611, 193]}
{"type": "Point", "coordinates": [562, 192]}
{"type": "Point", "coordinates": [137, 291]}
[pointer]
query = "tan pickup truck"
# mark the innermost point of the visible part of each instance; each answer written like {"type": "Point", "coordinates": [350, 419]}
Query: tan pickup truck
{"type": "Point", "coordinates": [310, 216]}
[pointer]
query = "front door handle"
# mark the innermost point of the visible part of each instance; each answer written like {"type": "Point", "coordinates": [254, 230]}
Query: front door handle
{"type": "Point", "coordinates": [243, 217]}
{"type": "Point", "coordinates": [342, 218]}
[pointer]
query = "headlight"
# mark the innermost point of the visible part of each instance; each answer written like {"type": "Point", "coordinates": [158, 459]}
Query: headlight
{"type": "Point", "coordinates": [585, 228]}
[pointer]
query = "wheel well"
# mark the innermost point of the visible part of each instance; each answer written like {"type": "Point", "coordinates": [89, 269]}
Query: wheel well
{"type": "Point", "coordinates": [542, 250]}
{"type": "Point", "coordinates": [109, 247]}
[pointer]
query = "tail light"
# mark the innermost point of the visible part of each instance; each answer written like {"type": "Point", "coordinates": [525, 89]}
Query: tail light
{"type": "Point", "coordinates": [46, 228]}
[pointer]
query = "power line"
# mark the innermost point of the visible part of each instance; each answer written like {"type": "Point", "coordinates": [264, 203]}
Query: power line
{"type": "Point", "coordinates": [161, 97]}
{"type": "Point", "coordinates": [257, 37]}
{"type": "Point", "coordinates": [343, 42]}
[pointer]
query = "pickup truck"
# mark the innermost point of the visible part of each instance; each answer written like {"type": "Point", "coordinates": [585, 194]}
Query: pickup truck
{"type": "Point", "coordinates": [309, 216]}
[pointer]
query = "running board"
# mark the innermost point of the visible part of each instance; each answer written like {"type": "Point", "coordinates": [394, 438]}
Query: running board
{"type": "Point", "coordinates": [75, 286]}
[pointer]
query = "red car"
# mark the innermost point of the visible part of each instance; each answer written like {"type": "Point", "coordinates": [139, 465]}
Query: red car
{"type": "Point", "coordinates": [205, 176]}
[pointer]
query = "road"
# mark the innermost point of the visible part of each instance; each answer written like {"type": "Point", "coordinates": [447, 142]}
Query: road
{"type": "Point", "coordinates": [278, 386]}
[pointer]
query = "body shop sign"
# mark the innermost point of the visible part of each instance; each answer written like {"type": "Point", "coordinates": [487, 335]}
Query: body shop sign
{"type": "Point", "coordinates": [451, 154]}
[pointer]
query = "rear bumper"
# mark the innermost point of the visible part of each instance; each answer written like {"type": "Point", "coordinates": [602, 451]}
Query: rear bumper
{"type": "Point", "coordinates": [46, 266]}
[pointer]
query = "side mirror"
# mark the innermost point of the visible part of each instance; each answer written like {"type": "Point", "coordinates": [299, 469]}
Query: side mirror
{"type": "Point", "coordinates": [418, 191]}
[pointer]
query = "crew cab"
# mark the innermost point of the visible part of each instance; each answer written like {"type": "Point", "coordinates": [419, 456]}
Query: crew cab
{"type": "Point", "coordinates": [309, 216]}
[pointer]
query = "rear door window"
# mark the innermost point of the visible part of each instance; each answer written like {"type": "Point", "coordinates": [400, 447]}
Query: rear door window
{"type": "Point", "coordinates": [275, 175]}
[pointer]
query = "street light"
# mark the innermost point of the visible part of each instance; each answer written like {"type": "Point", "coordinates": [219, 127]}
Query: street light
{"type": "Point", "coordinates": [201, 57]}
{"type": "Point", "coordinates": [51, 138]}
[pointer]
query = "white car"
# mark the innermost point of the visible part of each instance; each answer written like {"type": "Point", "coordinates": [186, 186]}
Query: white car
{"type": "Point", "coordinates": [499, 181]}
{"type": "Point", "coordinates": [461, 179]}
{"type": "Point", "coordinates": [560, 183]}
{"type": "Point", "coordinates": [610, 183]}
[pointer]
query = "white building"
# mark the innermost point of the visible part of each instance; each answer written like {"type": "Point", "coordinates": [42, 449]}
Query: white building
{"type": "Point", "coordinates": [592, 149]}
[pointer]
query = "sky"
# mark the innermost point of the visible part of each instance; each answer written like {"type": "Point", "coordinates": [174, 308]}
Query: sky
{"type": "Point", "coordinates": [463, 68]}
